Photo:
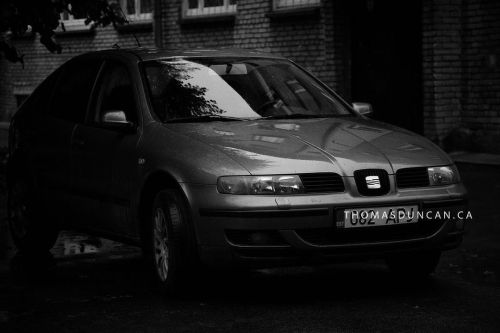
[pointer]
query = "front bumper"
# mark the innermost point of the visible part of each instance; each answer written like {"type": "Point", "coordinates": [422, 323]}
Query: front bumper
{"type": "Point", "coordinates": [271, 230]}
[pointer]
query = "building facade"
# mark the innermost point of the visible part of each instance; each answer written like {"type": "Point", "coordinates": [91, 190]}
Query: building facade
{"type": "Point", "coordinates": [18, 81]}
{"type": "Point", "coordinates": [427, 65]}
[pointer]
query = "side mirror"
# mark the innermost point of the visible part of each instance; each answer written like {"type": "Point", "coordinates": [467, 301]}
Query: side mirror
{"type": "Point", "coordinates": [118, 120]}
{"type": "Point", "coordinates": [363, 108]}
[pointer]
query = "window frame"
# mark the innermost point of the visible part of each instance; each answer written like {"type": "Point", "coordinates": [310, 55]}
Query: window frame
{"type": "Point", "coordinates": [226, 9]}
{"type": "Point", "coordinates": [20, 90]}
{"type": "Point", "coordinates": [295, 4]}
{"type": "Point", "coordinates": [138, 16]}
{"type": "Point", "coordinates": [71, 24]}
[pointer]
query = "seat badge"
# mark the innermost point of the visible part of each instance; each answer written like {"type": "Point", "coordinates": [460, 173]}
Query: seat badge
{"type": "Point", "coordinates": [372, 182]}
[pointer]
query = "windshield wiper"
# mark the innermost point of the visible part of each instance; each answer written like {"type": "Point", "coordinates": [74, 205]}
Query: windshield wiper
{"type": "Point", "coordinates": [202, 119]}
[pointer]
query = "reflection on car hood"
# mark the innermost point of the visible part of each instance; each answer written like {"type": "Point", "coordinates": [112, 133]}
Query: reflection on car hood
{"type": "Point", "coordinates": [340, 145]}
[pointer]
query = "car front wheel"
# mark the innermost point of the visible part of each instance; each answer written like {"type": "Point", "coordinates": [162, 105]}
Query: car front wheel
{"type": "Point", "coordinates": [414, 265]}
{"type": "Point", "coordinates": [169, 245]}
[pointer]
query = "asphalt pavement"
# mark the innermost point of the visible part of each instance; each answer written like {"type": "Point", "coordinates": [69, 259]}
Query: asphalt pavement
{"type": "Point", "coordinates": [97, 285]}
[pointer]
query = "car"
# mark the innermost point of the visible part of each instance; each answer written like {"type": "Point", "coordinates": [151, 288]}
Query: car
{"type": "Point", "coordinates": [224, 158]}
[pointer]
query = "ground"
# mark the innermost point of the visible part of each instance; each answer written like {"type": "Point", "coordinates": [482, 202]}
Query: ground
{"type": "Point", "coordinates": [107, 289]}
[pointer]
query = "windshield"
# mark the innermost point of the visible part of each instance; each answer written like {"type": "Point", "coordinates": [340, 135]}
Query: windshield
{"type": "Point", "coordinates": [199, 89]}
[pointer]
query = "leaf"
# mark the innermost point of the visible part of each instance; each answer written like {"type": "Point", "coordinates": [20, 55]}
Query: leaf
{"type": "Point", "coordinates": [11, 53]}
{"type": "Point", "coordinates": [44, 17]}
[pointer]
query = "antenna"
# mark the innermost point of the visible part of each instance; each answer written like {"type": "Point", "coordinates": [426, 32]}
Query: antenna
{"type": "Point", "coordinates": [136, 40]}
{"type": "Point", "coordinates": [127, 21]}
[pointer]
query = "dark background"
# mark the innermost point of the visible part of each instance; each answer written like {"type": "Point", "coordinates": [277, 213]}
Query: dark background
{"type": "Point", "coordinates": [98, 285]}
{"type": "Point", "coordinates": [427, 65]}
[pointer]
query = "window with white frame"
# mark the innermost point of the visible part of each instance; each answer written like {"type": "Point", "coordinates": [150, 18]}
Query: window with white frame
{"type": "Point", "coordinates": [289, 4]}
{"type": "Point", "coordinates": [72, 22]}
{"type": "Point", "coordinates": [137, 10]}
{"type": "Point", "coordinates": [21, 92]}
{"type": "Point", "coordinates": [194, 8]}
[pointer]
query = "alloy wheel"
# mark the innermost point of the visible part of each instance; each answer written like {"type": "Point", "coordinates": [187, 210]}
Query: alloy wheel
{"type": "Point", "coordinates": [161, 244]}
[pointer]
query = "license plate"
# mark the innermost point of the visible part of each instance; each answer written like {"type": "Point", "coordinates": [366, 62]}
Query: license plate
{"type": "Point", "coordinates": [380, 216]}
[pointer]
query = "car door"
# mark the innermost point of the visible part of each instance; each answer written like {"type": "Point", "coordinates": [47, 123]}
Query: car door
{"type": "Point", "coordinates": [51, 144]}
{"type": "Point", "coordinates": [104, 158]}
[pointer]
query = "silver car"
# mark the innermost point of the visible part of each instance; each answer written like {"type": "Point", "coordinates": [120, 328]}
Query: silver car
{"type": "Point", "coordinates": [224, 158]}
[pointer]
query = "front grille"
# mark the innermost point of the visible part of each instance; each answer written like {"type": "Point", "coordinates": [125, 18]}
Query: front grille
{"type": "Point", "coordinates": [322, 182]}
{"type": "Point", "coordinates": [362, 183]}
{"type": "Point", "coordinates": [378, 234]}
{"type": "Point", "coordinates": [412, 177]}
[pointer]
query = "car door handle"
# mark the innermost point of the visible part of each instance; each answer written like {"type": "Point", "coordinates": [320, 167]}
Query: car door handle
{"type": "Point", "coordinates": [79, 142]}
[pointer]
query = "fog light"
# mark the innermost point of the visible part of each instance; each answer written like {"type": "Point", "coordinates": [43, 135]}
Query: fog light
{"type": "Point", "coordinates": [260, 238]}
{"type": "Point", "coordinates": [255, 237]}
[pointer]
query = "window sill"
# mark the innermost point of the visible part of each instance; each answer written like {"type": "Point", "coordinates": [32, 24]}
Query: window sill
{"type": "Point", "coordinates": [21, 88]}
{"type": "Point", "coordinates": [136, 25]}
{"type": "Point", "coordinates": [285, 13]}
{"type": "Point", "coordinates": [75, 28]}
{"type": "Point", "coordinates": [209, 18]}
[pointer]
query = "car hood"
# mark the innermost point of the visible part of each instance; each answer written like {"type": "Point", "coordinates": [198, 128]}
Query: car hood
{"type": "Point", "coordinates": [340, 145]}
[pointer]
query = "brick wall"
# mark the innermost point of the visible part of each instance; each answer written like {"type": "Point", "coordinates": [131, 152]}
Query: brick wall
{"type": "Point", "coordinates": [314, 40]}
{"type": "Point", "coordinates": [461, 55]}
{"type": "Point", "coordinates": [461, 48]}
{"type": "Point", "coordinates": [442, 67]}
{"type": "Point", "coordinates": [309, 39]}
{"type": "Point", "coordinates": [7, 98]}
{"type": "Point", "coordinates": [39, 62]}
{"type": "Point", "coordinates": [481, 91]}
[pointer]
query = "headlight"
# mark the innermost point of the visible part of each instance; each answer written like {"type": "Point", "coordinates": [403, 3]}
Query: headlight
{"type": "Point", "coordinates": [283, 184]}
{"type": "Point", "coordinates": [443, 175]}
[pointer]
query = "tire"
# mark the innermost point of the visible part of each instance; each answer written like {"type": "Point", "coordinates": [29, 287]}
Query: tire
{"type": "Point", "coordinates": [414, 265]}
{"type": "Point", "coordinates": [32, 232]}
{"type": "Point", "coordinates": [170, 246]}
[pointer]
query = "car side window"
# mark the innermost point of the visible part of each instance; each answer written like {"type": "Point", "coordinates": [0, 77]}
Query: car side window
{"type": "Point", "coordinates": [72, 94]}
{"type": "Point", "coordinates": [115, 93]}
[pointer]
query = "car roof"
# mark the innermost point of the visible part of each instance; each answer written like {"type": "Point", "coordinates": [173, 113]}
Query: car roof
{"type": "Point", "coordinates": [146, 54]}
